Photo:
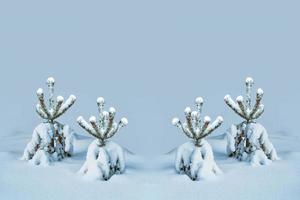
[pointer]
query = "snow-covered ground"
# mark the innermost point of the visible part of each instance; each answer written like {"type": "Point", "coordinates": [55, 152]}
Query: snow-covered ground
{"type": "Point", "coordinates": [149, 177]}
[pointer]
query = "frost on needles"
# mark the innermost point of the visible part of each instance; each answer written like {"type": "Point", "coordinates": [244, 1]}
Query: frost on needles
{"type": "Point", "coordinates": [51, 140]}
{"type": "Point", "coordinates": [104, 158]}
{"type": "Point", "coordinates": [195, 158]}
{"type": "Point", "coordinates": [249, 140]}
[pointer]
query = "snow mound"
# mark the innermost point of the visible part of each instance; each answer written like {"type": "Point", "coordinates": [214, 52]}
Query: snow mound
{"type": "Point", "coordinates": [49, 142]}
{"type": "Point", "coordinates": [102, 162]}
{"type": "Point", "coordinates": [196, 162]}
{"type": "Point", "coordinates": [250, 142]}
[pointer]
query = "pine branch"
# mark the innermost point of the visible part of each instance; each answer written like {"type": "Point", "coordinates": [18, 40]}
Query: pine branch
{"type": "Point", "coordinates": [95, 126]}
{"type": "Point", "coordinates": [86, 126]}
{"type": "Point", "coordinates": [194, 129]}
{"type": "Point", "coordinates": [54, 110]}
{"type": "Point", "coordinates": [189, 123]}
{"type": "Point", "coordinates": [106, 128]}
{"type": "Point", "coordinates": [249, 84]}
{"type": "Point", "coordinates": [59, 102]}
{"type": "Point", "coordinates": [115, 128]}
{"type": "Point", "coordinates": [256, 107]}
{"type": "Point", "coordinates": [228, 100]}
{"type": "Point", "coordinates": [259, 112]}
{"type": "Point", "coordinates": [70, 102]}
{"type": "Point", "coordinates": [40, 95]}
{"type": "Point", "coordinates": [122, 123]}
{"type": "Point", "coordinates": [50, 83]}
{"type": "Point", "coordinates": [111, 116]}
{"type": "Point", "coordinates": [176, 122]}
{"type": "Point", "coordinates": [216, 124]}
{"type": "Point", "coordinates": [206, 124]}
{"type": "Point", "coordinates": [40, 112]}
{"type": "Point", "coordinates": [243, 108]}
{"type": "Point", "coordinates": [199, 104]}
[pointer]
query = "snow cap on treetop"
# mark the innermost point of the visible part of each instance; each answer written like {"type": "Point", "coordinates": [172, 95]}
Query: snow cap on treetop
{"type": "Point", "coordinates": [92, 119]}
{"type": "Point", "coordinates": [73, 97]}
{"type": "Point", "coordinates": [227, 96]}
{"type": "Point", "coordinates": [240, 99]}
{"type": "Point", "coordinates": [79, 119]}
{"type": "Point", "coordinates": [194, 114]}
{"type": "Point", "coordinates": [249, 80]}
{"type": "Point", "coordinates": [199, 100]}
{"type": "Point", "coordinates": [112, 110]}
{"type": "Point", "coordinates": [187, 110]}
{"type": "Point", "coordinates": [175, 121]}
{"type": "Point", "coordinates": [124, 121]}
{"type": "Point", "coordinates": [260, 91]}
{"type": "Point", "coordinates": [220, 119]}
{"type": "Point", "coordinates": [100, 100]}
{"type": "Point", "coordinates": [105, 114]}
{"type": "Point", "coordinates": [39, 91]}
{"type": "Point", "coordinates": [207, 119]}
{"type": "Point", "coordinates": [59, 99]}
{"type": "Point", "coordinates": [50, 81]}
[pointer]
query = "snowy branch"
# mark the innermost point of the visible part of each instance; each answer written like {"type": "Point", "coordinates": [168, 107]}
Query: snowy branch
{"type": "Point", "coordinates": [193, 127]}
{"type": "Point", "coordinates": [243, 106]}
{"type": "Point", "coordinates": [105, 127]}
{"type": "Point", "coordinates": [55, 108]}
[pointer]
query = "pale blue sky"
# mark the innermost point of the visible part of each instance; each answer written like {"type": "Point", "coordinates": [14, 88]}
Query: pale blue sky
{"type": "Point", "coordinates": [149, 59]}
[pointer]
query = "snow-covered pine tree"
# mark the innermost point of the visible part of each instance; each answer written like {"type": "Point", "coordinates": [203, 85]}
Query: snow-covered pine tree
{"type": "Point", "coordinates": [51, 140]}
{"type": "Point", "coordinates": [104, 158]}
{"type": "Point", "coordinates": [195, 158]}
{"type": "Point", "coordinates": [249, 140]}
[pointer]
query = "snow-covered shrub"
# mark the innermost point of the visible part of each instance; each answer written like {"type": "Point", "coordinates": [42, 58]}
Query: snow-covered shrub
{"type": "Point", "coordinates": [249, 139]}
{"type": "Point", "coordinates": [195, 158]}
{"type": "Point", "coordinates": [104, 158]}
{"type": "Point", "coordinates": [51, 140]}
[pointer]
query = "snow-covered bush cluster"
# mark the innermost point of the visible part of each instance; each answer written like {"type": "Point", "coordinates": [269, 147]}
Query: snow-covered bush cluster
{"type": "Point", "coordinates": [195, 158]}
{"type": "Point", "coordinates": [51, 140]}
{"type": "Point", "coordinates": [249, 139]}
{"type": "Point", "coordinates": [104, 158]}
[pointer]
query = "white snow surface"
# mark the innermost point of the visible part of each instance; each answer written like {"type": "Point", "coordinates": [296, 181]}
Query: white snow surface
{"type": "Point", "coordinates": [152, 177]}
